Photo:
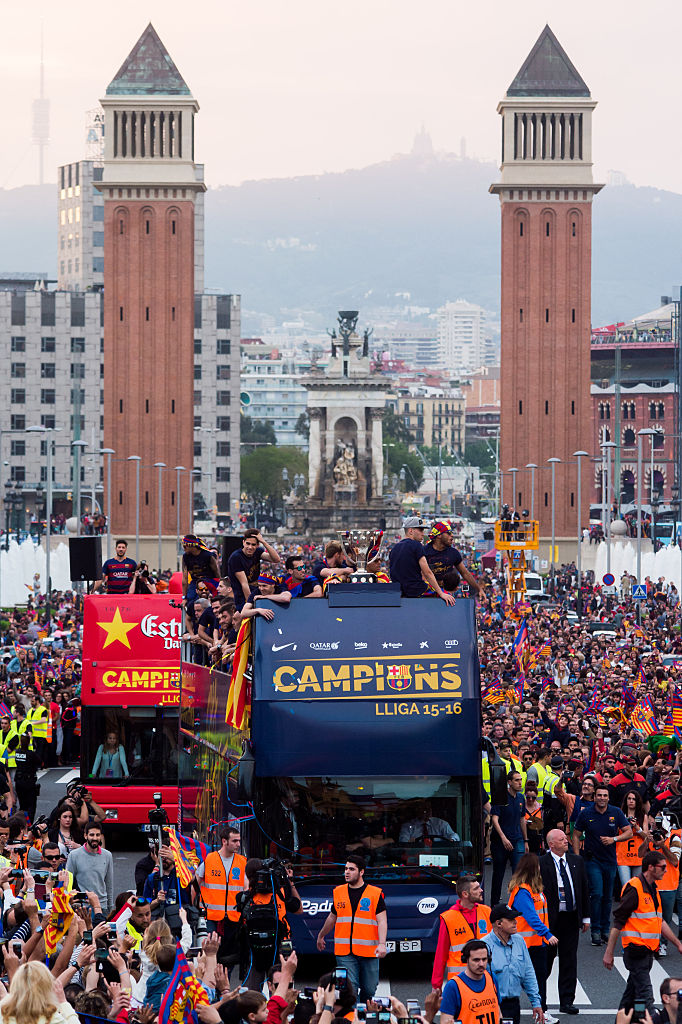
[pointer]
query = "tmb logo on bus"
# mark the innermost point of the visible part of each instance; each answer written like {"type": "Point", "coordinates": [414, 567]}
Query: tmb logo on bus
{"type": "Point", "coordinates": [369, 679]}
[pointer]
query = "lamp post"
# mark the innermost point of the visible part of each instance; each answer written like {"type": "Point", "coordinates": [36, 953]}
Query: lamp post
{"type": "Point", "coordinates": [136, 459]}
{"type": "Point", "coordinates": [178, 471]}
{"type": "Point", "coordinates": [160, 466]}
{"type": "Point", "coordinates": [209, 431]}
{"type": "Point", "coordinates": [513, 470]}
{"type": "Point", "coordinates": [607, 446]}
{"type": "Point", "coordinates": [553, 462]}
{"type": "Point", "coordinates": [580, 456]}
{"type": "Point", "coordinates": [50, 431]}
{"type": "Point", "coordinates": [641, 434]}
{"type": "Point", "coordinates": [108, 452]}
{"type": "Point", "coordinates": [285, 480]}
{"type": "Point", "coordinates": [532, 466]}
{"type": "Point", "coordinates": [78, 447]}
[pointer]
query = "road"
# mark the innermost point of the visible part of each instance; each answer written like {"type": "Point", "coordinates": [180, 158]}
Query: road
{"type": "Point", "coordinates": [403, 975]}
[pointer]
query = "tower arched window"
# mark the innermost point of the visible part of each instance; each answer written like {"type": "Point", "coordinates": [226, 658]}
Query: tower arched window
{"type": "Point", "coordinates": [628, 437]}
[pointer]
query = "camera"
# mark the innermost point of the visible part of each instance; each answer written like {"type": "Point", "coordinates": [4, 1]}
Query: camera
{"type": "Point", "coordinates": [272, 874]}
{"type": "Point", "coordinates": [658, 834]}
{"type": "Point", "coordinates": [39, 826]}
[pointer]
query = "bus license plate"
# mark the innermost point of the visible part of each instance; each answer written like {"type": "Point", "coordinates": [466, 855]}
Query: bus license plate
{"type": "Point", "coordinates": [410, 945]}
{"type": "Point", "coordinates": [390, 946]}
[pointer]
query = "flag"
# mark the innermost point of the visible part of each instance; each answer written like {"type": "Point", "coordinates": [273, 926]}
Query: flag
{"type": "Point", "coordinates": [493, 694]}
{"type": "Point", "coordinates": [520, 687]}
{"type": "Point", "coordinates": [4, 710]}
{"type": "Point", "coordinates": [521, 642]}
{"type": "Point", "coordinates": [545, 651]}
{"type": "Point", "coordinates": [629, 699]}
{"type": "Point", "coordinates": [239, 697]}
{"type": "Point", "coordinates": [184, 993]}
{"type": "Point", "coordinates": [196, 851]}
{"type": "Point", "coordinates": [596, 701]}
{"type": "Point", "coordinates": [676, 707]}
{"type": "Point", "coordinates": [37, 680]}
{"type": "Point", "coordinates": [183, 866]}
{"type": "Point", "coordinates": [641, 678]}
{"type": "Point", "coordinates": [643, 717]}
{"type": "Point", "coordinates": [60, 920]}
{"type": "Point", "coordinates": [668, 727]}
{"type": "Point", "coordinates": [546, 683]}
{"type": "Point", "coordinates": [591, 757]}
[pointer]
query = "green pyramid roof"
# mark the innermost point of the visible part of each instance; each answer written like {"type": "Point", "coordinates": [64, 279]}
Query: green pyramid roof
{"type": "Point", "coordinates": [148, 69]}
{"type": "Point", "coordinates": [547, 71]}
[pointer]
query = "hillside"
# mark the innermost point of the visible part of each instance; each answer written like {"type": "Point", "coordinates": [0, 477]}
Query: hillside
{"type": "Point", "coordinates": [423, 225]}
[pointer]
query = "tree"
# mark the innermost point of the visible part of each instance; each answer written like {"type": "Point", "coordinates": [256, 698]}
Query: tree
{"type": "Point", "coordinates": [477, 453]}
{"type": "Point", "coordinates": [303, 425]}
{"type": "Point", "coordinates": [256, 432]}
{"type": "Point", "coordinates": [446, 458]}
{"type": "Point", "coordinates": [394, 429]}
{"type": "Point", "coordinates": [261, 474]}
{"type": "Point", "coordinates": [399, 455]}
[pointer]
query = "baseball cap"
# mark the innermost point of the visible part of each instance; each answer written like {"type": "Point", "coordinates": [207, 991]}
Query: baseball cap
{"type": "Point", "coordinates": [503, 911]}
{"type": "Point", "coordinates": [438, 528]}
{"type": "Point", "coordinates": [414, 523]}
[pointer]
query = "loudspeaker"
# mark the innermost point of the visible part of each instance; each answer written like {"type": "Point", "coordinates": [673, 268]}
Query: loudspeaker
{"type": "Point", "coordinates": [85, 558]}
{"type": "Point", "coordinates": [230, 544]}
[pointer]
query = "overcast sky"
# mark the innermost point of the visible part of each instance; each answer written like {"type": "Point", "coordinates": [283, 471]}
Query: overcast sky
{"type": "Point", "coordinates": [290, 87]}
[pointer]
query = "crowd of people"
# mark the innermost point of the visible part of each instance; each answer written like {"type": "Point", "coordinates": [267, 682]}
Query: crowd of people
{"type": "Point", "coordinates": [581, 710]}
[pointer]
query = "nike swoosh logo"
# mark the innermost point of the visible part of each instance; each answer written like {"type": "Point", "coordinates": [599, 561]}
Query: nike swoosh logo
{"type": "Point", "coordinates": [280, 647]}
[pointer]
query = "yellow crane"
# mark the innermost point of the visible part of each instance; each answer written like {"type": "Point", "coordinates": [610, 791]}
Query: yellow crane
{"type": "Point", "coordinates": [515, 537]}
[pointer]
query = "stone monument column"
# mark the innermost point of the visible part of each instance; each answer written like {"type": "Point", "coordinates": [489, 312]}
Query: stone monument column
{"type": "Point", "coordinates": [376, 417]}
{"type": "Point", "coordinates": [314, 452]}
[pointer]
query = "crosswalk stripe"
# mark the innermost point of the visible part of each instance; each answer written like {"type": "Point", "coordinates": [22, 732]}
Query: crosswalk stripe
{"type": "Point", "coordinates": [581, 997]}
{"type": "Point", "coordinates": [69, 777]}
{"type": "Point", "coordinates": [43, 771]}
{"type": "Point", "coordinates": [657, 974]}
{"type": "Point", "coordinates": [384, 989]}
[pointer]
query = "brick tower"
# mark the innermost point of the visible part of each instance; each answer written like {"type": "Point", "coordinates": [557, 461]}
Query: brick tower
{"type": "Point", "coordinates": [546, 191]}
{"type": "Point", "coordinates": [150, 184]}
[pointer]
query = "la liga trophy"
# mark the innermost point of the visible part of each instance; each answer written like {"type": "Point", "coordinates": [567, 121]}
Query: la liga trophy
{"type": "Point", "coordinates": [361, 547]}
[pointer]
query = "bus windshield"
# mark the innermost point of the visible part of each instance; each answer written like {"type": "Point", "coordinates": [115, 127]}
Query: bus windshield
{"type": "Point", "coordinates": [149, 737]}
{"type": "Point", "coordinates": [410, 822]}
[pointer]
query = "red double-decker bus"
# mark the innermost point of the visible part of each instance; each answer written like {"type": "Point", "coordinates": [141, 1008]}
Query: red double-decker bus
{"type": "Point", "coordinates": [131, 688]}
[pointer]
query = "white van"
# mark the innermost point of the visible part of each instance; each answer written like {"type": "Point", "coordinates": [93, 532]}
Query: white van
{"type": "Point", "coordinates": [534, 584]}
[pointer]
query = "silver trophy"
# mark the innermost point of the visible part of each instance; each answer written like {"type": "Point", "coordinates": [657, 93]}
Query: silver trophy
{"type": "Point", "coordinates": [361, 547]}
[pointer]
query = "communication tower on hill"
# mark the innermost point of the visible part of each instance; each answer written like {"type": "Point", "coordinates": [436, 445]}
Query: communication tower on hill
{"type": "Point", "coordinates": [41, 119]}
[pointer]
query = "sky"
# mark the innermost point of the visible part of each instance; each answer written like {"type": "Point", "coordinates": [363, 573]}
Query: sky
{"type": "Point", "coordinates": [294, 87]}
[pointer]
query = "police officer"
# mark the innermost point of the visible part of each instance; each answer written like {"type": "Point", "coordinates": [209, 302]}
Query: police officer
{"type": "Point", "coordinates": [26, 776]}
{"type": "Point", "coordinates": [359, 920]}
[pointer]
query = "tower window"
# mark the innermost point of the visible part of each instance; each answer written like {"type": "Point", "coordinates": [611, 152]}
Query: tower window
{"type": "Point", "coordinates": [547, 228]}
{"type": "Point", "coordinates": [146, 497]}
{"type": "Point", "coordinates": [120, 227]}
{"type": "Point", "coordinates": [521, 316]}
{"type": "Point", "coordinates": [572, 408]}
{"type": "Point", "coordinates": [172, 498]}
{"type": "Point", "coordinates": [520, 407]}
{"type": "Point", "coordinates": [172, 405]}
{"type": "Point", "coordinates": [172, 312]}
{"type": "Point", "coordinates": [571, 499]}
{"type": "Point", "coordinates": [146, 312]}
{"type": "Point", "coordinates": [120, 405]}
{"type": "Point", "coordinates": [146, 405]}
{"type": "Point", "coordinates": [546, 499]}
{"type": "Point", "coordinates": [573, 229]}
{"type": "Point", "coordinates": [572, 316]}
{"type": "Point", "coordinates": [172, 227]}
{"type": "Point", "coordinates": [521, 228]}
{"type": "Point", "coordinates": [546, 408]}
{"type": "Point", "coordinates": [146, 227]}
{"type": "Point", "coordinates": [546, 316]}
{"type": "Point", "coordinates": [120, 312]}
{"type": "Point", "coordinates": [120, 497]}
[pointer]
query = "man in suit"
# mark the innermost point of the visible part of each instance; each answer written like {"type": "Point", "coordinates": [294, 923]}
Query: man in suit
{"type": "Point", "coordinates": [568, 911]}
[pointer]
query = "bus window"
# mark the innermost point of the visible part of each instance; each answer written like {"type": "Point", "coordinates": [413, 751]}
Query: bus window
{"type": "Point", "coordinates": [149, 739]}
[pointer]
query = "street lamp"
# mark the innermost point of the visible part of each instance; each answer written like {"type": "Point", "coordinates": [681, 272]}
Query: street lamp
{"type": "Point", "coordinates": [580, 456]}
{"type": "Point", "coordinates": [50, 431]}
{"type": "Point", "coordinates": [178, 471]}
{"type": "Point", "coordinates": [645, 431]}
{"type": "Point", "coordinates": [606, 447]}
{"type": "Point", "coordinates": [285, 481]}
{"type": "Point", "coordinates": [532, 466]}
{"type": "Point", "coordinates": [513, 470]}
{"type": "Point", "coordinates": [160, 466]}
{"type": "Point", "coordinates": [108, 452]}
{"type": "Point", "coordinates": [136, 459]}
{"type": "Point", "coordinates": [553, 462]}
{"type": "Point", "coordinates": [78, 447]}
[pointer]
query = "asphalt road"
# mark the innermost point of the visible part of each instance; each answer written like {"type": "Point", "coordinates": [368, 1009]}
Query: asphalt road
{"type": "Point", "coordinates": [403, 975]}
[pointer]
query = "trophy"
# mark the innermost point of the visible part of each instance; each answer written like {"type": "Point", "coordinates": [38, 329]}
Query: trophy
{"type": "Point", "coordinates": [361, 547]}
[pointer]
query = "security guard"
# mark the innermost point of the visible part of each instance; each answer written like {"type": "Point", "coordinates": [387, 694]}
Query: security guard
{"type": "Point", "coordinates": [221, 876]}
{"type": "Point", "coordinates": [359, 920]}
{"type": "Point", "coordinates": [541, 773]}
{"type": "Point", "coordinates": [38, 719]}
{"type": "Point", "coordinates": [9, 741]}
{"type": "Point", "coordinates": [472, 996]}
{"type": "Point", "coordinates": [638, 921]}
{"type": "Point", "coordinates": [468, 918]}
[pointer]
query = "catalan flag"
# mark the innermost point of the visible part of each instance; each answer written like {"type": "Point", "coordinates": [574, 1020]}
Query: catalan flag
{"type": "Point", "coordinates": [183, 866]}
{"type": "Point", "coordinates": [521, 642]}
{"type": "Point", "coordinates": [545, 651]}
{"type": "Point", "coordinates": [493, 694]}
{"type": "Point", "coordinates": [676, 707]}
{"type": "Point", "coordinates": [61, 916]}
{"type": "Point", "coordinates": [184, 993]}
{"type": "Point", "coordinates": [239, 697]}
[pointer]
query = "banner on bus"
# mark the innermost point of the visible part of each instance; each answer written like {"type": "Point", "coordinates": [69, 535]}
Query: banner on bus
{"type": "Point", "coordinates": [395, 679]}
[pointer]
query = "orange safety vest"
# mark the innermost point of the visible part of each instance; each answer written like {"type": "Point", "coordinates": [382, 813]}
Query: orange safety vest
{"type": "Point", "coordinates": [460, 933]}
{"type": "Point", "coordinates": [626, 853]}
{"type": "Point", "coordinates": [527, 933]}
{"type": "Point", "coordinates": [261, 899]}
{"type": "Point", "coordinates": [218, 893]}
{"type": "Point", "coordinates": [356, 933]}
{"type": "Point", "coordinates": [478, 1007]}
{"type": "Point", "coordinates": [643, 927]}
{"type": "Point", "coordinates": [672, 874]}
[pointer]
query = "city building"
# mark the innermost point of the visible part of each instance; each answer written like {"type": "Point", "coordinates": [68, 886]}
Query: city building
{"type": "Point", "coordinates": [80, 227]}
{"type": "Point", "coordinates": [415, 345]}
{"type": "Point", "coordinates": [546, 191]}
{"type": "Point", "coordinates": [481, 390]}
{"type": "Point", "coordinates": [463, 343]}
{"type": "Point", "coordinates": [432, 415]}
{"type": "Point", "coordinates": [634, 388]}
{"type": "Point", "coordinates": [52, 343]}
{"type": "Point", "coordinates": [272, 390]}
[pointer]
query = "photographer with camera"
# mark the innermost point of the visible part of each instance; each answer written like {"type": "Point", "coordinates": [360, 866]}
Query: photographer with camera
{"type": "Point", "coordinates": [142, 582]}
{"type": "Point", "coordinates": [165, 893]}
{"type": "Point", "coordinates": [263, 908]}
